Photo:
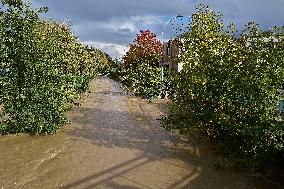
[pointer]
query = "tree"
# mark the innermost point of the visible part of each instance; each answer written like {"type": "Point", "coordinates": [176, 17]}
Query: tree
{"type": "Point", "coordinates": [146, 49]}
{"type": "Point", "coordinates": [141, 65]}
{"type": "Point", "coordinates": [46, 68]}
{"type": "Point", "coordinates": [230, 87]}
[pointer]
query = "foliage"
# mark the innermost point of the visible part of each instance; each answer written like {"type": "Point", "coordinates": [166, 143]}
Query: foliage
{"type": "Point", "coordinates": [47, 68]}
{"type": "Point", "coordinates": [141, 73]}
{"type": "Point", "coordinates": [146, 49]}
{"type": "Point", "coordinates": [230, 87]}
{"type": "Point", "coordinates": [113, 69]}
{"type": "Point", "coordinates": [106, 65]}
{"type": "Point", "coordinates": [143, 80]}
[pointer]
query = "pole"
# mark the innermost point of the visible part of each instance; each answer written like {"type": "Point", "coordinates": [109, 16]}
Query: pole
{"type": "Point", "coordinates": [162, 66]}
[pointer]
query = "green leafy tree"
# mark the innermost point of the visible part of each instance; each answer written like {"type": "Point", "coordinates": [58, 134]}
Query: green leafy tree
{"type": "Point", "coordinates": [230, 87]}
{"type": "Point", "coordinates": [46, 69]}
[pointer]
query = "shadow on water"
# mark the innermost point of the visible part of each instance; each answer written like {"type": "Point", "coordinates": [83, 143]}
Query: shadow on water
{"type": "Point", "coordinates": [113, 129]}
{"type": "Point", "coordinates": [162, 160]}
{"type": "Point", "coordinates": [183, 162]}
{"type": "Point", "coordinates": [120, 171]}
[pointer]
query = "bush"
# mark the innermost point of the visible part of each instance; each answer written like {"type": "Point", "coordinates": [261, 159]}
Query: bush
{"type": "Point", "coordinates": [141, 72]}
{"type": "Point", "coordinates": [47, 68]}
{"type": "Point", "coordinates": [142, 80]}
{"type": "Point", "coordinates": [82, 83]}
{"type": "Point", "coordinates": [230, 87]}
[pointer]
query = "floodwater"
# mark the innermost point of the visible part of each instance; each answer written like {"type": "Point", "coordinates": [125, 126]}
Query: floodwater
{"type": "Point", "coordinates": [114, 141]}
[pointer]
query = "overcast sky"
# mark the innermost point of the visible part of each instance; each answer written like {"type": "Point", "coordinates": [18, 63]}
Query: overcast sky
{"type": "Point", "coordinates": [111, 25]}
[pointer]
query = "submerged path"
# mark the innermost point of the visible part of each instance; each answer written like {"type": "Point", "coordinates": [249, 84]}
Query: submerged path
{"type": "Point", "coordinates": [114, 141]}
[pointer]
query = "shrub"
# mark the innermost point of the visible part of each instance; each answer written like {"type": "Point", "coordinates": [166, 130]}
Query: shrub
{"type": "Point", "coordinates": [143, 80]}
{"type": "Point", "coordinates": [230, 87]}
{"type": "Point", "coordinates": [141, 73]}
{"type": "Point", "coordinates": [47, 68]}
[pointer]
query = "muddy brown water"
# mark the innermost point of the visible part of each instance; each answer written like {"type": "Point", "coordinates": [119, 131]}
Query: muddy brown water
{"type": "Point", "coordinates": [114, 141]}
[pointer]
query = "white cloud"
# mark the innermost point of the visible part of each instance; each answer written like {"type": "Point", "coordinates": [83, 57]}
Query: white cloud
{"type": "Point", "coordinates": [114, 50]}
{"type": "Point", "coordinates": [118, 30]}
{"type": "Point", "coordinates": [113, 36]}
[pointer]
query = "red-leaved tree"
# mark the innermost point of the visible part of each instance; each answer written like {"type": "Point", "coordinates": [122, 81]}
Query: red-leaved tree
{"type": "Point", "coordinates": [146, 49]}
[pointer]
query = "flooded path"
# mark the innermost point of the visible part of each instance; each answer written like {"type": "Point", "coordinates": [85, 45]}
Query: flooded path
{"type": "Point", "coordinates": [114, 141]}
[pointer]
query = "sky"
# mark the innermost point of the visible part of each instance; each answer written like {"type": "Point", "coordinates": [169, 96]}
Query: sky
{"type": "Point", "coordinates": [111, 25]}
